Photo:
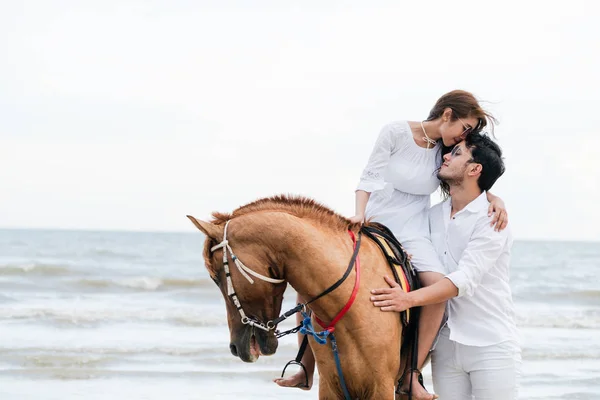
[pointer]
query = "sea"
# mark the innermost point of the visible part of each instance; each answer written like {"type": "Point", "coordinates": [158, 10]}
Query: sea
{"type": "Point", "coordinates": [134, 315]}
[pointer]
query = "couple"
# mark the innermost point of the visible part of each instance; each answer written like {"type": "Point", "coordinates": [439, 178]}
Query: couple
{"type": "Point", "coordinates": [460, 248]}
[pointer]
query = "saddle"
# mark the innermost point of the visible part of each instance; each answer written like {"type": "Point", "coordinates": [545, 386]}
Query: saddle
{"type": "Point", "coordinates": [404, 274]}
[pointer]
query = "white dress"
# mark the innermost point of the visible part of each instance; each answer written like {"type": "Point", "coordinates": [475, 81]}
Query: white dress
{"type": "Point", "coordinates": [401, 176]}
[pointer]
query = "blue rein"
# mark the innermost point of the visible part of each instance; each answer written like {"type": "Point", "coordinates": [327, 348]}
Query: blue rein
{"type": "Point", "coordinates": [321, 338]}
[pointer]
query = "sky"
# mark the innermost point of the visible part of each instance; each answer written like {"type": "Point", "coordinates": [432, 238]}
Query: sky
{"type": "Point", "coordinates": [128, 115]}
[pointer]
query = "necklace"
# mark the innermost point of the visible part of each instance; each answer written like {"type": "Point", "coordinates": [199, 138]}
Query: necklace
{"type": "Point", "coordinates": [426, 138]}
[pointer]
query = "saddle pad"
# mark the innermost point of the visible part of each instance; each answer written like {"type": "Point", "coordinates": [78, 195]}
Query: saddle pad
{"type": "Point", "coordinates": [399, 276]}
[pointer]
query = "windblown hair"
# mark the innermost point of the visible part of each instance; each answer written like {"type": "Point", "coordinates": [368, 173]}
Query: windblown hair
{"type": "Point", "coordinates": [464, 105]}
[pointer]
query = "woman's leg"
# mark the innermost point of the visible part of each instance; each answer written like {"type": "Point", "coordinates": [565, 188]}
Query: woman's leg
{"type": "Point", "coordinates": [308, 360]}
{"type": "Point", "coordinates": [430, 321]}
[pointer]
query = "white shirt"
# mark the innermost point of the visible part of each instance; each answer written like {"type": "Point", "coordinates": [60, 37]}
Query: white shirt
{"type": "Point", "coordinates": [400, 175]}
{"type": "Point", "coordinates": [477, 260]}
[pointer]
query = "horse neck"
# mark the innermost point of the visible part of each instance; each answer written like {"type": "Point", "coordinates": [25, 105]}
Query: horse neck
{"type": "Point", "coordinates": [315, 258]}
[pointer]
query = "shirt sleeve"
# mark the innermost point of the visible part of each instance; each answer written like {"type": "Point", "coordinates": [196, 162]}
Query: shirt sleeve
{"type": "Point", "coordinates": [373, 176]}
{"type": "Point", "coordinates": [481, 254]}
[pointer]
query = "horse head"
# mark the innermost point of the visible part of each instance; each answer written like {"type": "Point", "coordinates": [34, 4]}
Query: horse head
{"type": "Point", "coordinates": [255, 277]}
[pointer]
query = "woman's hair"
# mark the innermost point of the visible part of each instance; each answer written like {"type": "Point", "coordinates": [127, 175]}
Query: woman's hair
{"type": "Point", "coordinates": [463, 105]}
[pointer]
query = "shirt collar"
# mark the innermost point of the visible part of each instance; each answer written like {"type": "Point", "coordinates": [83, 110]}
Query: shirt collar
{"type": "Point", "coordinates": [480, 203]}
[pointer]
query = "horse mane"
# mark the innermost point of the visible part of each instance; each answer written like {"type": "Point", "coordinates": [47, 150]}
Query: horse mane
{"type": "Point", "coordinates": [299, 206]}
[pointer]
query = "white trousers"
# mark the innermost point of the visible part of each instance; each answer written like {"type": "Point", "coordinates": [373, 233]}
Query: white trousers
{"type": "Point", "coordinates": [463, 372]}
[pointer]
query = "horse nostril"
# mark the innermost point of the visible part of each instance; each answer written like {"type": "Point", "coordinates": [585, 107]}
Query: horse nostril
{"type": "Point", "coordinates": [233, 349]}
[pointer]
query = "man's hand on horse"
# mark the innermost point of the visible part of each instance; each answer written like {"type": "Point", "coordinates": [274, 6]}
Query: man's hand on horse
{"type": "Point", "coordinates": [392, 298]}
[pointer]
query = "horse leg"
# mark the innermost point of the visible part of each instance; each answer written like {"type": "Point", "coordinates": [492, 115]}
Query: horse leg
{"type": "Point", "coordinates": [382, 389]}
{"type": "Point", "coordinates": [326, 390]}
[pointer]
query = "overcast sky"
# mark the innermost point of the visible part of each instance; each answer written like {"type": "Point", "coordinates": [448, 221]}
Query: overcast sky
{"type": "Point", "coordinates": [132, 114]}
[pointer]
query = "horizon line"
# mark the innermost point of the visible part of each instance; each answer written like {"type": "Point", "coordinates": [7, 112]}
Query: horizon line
{"type": "Point", "coordinates": [167, 231]}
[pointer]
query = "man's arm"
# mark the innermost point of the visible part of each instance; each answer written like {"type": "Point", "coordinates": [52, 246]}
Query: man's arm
{"type": "Point", "coordinates": [395, 299]}
{"type": "Point", "coordinates": [481, 254]}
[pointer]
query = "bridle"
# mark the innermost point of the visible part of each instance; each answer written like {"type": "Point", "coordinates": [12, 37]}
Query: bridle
{"type": "Point", "coordinates": [244, 271]}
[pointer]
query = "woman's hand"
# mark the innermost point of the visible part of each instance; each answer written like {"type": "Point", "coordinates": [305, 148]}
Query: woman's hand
{"type": "Point", "coordinates": [498, 209]}
{"type": "Point", "coordinates": [358, 219]}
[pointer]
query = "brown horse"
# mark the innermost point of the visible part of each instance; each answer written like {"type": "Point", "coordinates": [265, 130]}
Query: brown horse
{"type": "Point", "coordinates": [298, 241]}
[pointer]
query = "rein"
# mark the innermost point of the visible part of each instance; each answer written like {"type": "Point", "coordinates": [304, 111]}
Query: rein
{"type": "Point", "coordinates": [302, 307]}
{"type": "Point", "coordinates": [354, 260]}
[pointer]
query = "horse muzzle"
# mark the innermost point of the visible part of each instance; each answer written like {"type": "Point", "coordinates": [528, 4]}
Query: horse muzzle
{"type": "Point", "coordinates": [251, 344]}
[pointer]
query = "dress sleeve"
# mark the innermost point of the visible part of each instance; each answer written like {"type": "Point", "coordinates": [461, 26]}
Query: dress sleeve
{"type": "Point", "coordinates": [373, 176]}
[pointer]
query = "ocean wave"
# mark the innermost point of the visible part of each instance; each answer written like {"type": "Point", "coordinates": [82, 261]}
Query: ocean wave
{"type": "Point", "coordinates": [113, 254]}
{"type": "Point", "coordinates": [585, 294]}
{"type": "Point", "coordinates": [6, 299]}
{"type": "Point", "coordinates": [34, 269]}
{"type": "Point", "coordinates": [84, 354]}
{"type": "Point", "coordinates": [83, 317]}
{"type": "Point", "coordinates": [144, 283]}
{"type": "Point", "coordinates": [560, 354]}
{"type": "Point", "coordinates": [66, 360]}
{"type": "Point", "coordinates": [552, 294]}
{"type": "Point", "coordinates": [585, 319]}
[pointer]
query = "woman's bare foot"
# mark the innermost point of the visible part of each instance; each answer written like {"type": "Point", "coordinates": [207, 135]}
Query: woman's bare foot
{"type": "Point", "coordinates": [298, 380]}
{"type": "Point", "coordinates": [418, 391]}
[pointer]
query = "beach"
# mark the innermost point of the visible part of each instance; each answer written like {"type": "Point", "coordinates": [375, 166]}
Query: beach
{"type": "Point", "coordinates": [134, 315]}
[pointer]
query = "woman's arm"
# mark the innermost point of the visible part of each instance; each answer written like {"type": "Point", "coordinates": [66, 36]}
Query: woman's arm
{"type": "Point", "coordinates": [362, 198]}
{"type": "Point", "coordinates": [373, 176]}
{"type": "Point", "coordinates": [497, 207]}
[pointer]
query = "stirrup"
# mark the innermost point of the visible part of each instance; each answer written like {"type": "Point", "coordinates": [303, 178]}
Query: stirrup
{"type": "Point", "coordinates": [294, 362]}
{"type": "Point", "coordinates": [401, 382]}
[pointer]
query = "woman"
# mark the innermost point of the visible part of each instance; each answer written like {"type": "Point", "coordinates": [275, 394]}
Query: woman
{"type": "Point", "coordinates": [395, 189]}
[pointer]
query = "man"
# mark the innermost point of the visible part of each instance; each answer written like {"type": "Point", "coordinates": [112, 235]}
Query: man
{"type": "Point", "coordinates": [477, 354]}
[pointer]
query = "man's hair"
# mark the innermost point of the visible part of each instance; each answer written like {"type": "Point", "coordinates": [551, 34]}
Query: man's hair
{"type": "Point", "coordinates": [486, 152]}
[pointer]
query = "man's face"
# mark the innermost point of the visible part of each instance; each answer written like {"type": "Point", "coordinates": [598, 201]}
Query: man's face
{"type": "Point", "coordinates": [454, 168]}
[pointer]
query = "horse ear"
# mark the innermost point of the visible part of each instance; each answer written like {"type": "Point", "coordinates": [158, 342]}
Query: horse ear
{"type": "Point", "coordinates": [211, 230]}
